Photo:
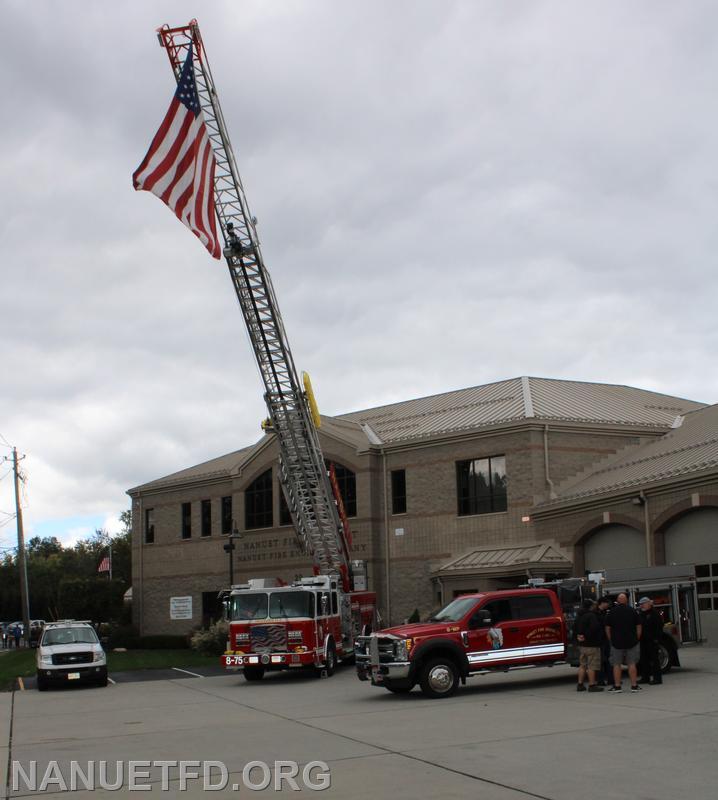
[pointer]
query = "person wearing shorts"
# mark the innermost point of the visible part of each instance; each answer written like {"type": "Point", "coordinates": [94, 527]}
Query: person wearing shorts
{"type": "Point", "coordinates": [589, 632]}
{"type": "Point", "coordinates": [623, 628]}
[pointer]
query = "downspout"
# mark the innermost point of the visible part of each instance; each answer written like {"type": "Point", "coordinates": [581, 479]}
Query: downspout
{"type": "Point", "coordinates": [647, 529]}
{"type": "Point", "coordinates": [387, 565]}
{"type": "Point", "coordinates": [549, 482]}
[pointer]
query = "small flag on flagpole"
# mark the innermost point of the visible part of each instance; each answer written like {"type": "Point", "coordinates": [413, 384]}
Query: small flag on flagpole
{"type": "Point", "coordinates": [104, 565]}
{"type": "Point", "coordinates": [179, 166]}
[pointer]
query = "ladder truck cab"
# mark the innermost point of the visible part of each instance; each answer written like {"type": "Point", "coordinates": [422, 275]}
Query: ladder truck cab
{"type": "Point", "coordinates": [309, 624]}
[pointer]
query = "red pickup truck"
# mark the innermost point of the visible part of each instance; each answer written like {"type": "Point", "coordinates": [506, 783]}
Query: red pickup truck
{"type": "Point", "coordinates": [473, 634]}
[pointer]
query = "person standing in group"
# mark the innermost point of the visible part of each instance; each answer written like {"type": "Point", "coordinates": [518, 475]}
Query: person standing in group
{"type": "Point", "coordinates": [17, 634]}
{"type": "Point", "coordinates": [652, 626]}
{"type": "Point", "coordinates": [605, 674]}
{"type": "Point", "coordinates": [4, 636]}
{"type": "Point", "coordinates": [623, 628]}
{"type": "Point", "coordinates": [589, 633]}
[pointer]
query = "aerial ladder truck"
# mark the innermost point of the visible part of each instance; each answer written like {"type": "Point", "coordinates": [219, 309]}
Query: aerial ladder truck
{"type": "Point", "coordinates": [314, 621]}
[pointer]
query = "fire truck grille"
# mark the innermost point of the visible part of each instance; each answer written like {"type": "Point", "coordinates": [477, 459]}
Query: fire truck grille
{"type": "Point", "coordinates": [268, 638]}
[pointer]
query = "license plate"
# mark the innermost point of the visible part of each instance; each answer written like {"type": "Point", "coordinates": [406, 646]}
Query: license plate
{"type": "Point", "coordinates": [73, 676]}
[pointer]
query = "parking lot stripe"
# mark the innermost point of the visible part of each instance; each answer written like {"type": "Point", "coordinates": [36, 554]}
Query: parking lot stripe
{"type": "Point", "coordinates": [187, 672]}
{"type": "Point", "coordinates": [109, 679]}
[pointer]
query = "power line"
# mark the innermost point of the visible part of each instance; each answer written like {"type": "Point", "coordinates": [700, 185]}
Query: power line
{"type": "Point", "coordinates": [7, 444]}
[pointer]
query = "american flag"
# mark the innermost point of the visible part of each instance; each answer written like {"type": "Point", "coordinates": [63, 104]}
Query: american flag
{"type": "Point", "coordinates": [104, 565]}
{"type": "Point", "coordinates": [179, 166]}
{"type": "Point", "coordinates": [268, 638]}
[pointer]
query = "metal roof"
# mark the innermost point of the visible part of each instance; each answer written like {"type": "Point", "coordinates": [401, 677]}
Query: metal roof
{"type": "Point", "coordinates": [503, 559]}
{"type": "Point", "coordinates": [221, 467]}
{"type": "Point", "coordinates": [691, 447]}
{"type": "Point", "coordinates": [520, 399]}
{"type": "Point", "coordinates": [477, 407]}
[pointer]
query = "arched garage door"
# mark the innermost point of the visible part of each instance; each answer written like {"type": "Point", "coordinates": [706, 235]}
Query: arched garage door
{"type": "Point", "coordinates": [614, 546]}
{"type": "Point", "coordinates": [693, 539]}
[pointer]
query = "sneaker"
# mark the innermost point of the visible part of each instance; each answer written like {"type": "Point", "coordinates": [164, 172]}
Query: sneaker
{"type": "Point", "coordinates": [595, 688]}
{"type": "Point", "coordinates": [615, 689]}
{"type": "Point", "coordinates": [580, 688]}
{"type": "Point", "coordinates": [636, 688]}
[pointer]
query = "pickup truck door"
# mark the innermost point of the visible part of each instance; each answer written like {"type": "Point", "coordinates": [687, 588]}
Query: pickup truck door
{"type": "Point", "coordinates": [539, 627]}
{"type": "Point", "coordinates": [500, 643]}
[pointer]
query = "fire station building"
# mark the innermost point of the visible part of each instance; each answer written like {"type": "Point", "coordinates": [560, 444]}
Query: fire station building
{"type": "Point", "coordinates": [468, 490]}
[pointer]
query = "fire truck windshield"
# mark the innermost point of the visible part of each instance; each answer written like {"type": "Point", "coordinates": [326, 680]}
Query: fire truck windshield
{"type": "Point", "coordinates": [455, 611]}
{"type": "Point", "coordinates": [249, 606]}
{"type": "Point", "coordinates": [283, 605]}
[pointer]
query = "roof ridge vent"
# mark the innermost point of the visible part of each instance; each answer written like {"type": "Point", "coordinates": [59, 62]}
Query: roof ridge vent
{"type": "Point", "coordinates": [528, 401]}
{"type": "Point", "coordinates": [678, 421]}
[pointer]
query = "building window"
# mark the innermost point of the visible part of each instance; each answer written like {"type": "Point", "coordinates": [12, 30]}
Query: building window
{"type": "Point", "coordinates": [481, 485]}
{"type": "Point", "coordinates": [285, 518]}
{"type": "Point", "coordinates": [226, 515]}
{"type": "Point", "coordinates": [186, 520]}
{"type": "Point", "coordinates": [149, 526]}
{"type": "Point", "coordinates": [258, 502]}
{"type": "Point", "coordinates": [206, 518]}
{"type": "Point", "coordinates": [707, 585]}
{"type": "Point", "coordinates": [347, 482]}
{"type": "Point", "coordinates": [398, 491]}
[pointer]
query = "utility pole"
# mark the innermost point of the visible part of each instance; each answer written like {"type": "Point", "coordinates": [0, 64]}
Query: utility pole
{"type": "Point", "coordinates": [21, 560]}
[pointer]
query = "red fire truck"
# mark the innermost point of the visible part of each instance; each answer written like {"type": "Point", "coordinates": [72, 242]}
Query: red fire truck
{"type": "Point", "coordinates": [310, 623]}
{"type": "Point", "coordinates": [315, 621]}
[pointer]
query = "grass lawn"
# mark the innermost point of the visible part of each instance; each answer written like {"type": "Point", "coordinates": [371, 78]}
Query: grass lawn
{"type": "Point", "coordinates": [21, 663]}
{"type": "Point", "coordinates": [13, 664]}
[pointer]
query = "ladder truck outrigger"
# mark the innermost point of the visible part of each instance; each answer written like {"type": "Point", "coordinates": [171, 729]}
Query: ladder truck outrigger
{"type": "Point", "coordinates": [314, 621]}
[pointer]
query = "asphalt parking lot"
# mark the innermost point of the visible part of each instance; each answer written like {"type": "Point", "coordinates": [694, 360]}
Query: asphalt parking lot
{"type": "Point", "coordinates": [511, 736]}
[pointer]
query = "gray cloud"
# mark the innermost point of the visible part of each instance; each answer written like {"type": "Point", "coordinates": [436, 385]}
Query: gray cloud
{"type": "Point", "coordinates": [448, 193]}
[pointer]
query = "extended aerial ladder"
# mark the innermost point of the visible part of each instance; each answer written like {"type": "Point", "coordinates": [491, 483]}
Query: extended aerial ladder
{"type": "Point", "coordinates": [311, 493]}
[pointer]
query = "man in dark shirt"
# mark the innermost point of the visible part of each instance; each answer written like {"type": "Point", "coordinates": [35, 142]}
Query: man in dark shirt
{"type": "Point", "coordinates": [623, 628]}
{"type": "Point", "coordinates": [589, 633]}
{"type": "Point", "coordinates": [652, 626]}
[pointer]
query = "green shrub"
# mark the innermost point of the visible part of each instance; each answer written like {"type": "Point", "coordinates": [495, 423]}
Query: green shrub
{"type": "Point", "coordinates": [211, 641]}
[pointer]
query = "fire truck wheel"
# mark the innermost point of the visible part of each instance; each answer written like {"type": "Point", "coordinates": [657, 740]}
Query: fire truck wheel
{"type": "Point", "coordinates": [330, 661]}
{"type": "Point", "coordinates": [439, 677]}
{"type": "Point", "coordinates": [253, 673]}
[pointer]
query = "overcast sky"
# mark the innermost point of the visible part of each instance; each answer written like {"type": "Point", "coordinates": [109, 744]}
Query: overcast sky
{"type": "Point", "coordinates": [448, 193]}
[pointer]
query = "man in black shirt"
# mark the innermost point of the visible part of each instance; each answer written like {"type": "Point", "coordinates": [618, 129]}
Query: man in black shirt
{"type": "Point", "coordinates": [623, 628]}
{"type": "Point", "coordinates": [652, 626]}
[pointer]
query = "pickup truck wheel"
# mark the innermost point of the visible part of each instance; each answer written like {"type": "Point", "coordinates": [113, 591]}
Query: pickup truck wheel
{"type": "Point", "coordinates": [398, 689]}
{"type": "Point", "coordinates": [439, 677]}
{"type": "Point", "coordinates": [253, 673]}
{"type": "Point", "coordinates": [664, 657]}
{"type": "Point", "coordinates": [41, 684]}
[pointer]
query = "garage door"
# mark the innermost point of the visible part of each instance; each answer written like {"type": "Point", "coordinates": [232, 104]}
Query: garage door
{"type": "Point", "coordinates": [613, 547]}
{"type": "Point", "coordinates": [693, 539]}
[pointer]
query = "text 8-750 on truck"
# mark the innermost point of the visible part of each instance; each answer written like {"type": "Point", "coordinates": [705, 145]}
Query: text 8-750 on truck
{"type": "Point", "coordinates": [473, 634]}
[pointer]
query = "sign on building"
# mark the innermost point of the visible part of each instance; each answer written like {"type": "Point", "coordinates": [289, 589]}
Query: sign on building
{"type": "Point", "coordinates": [181, 607]}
